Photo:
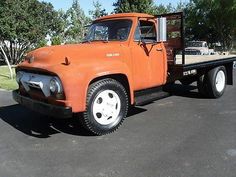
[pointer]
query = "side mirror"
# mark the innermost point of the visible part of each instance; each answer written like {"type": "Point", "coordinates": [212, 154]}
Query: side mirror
{"type": "Point", "coordinates": [161, 30]}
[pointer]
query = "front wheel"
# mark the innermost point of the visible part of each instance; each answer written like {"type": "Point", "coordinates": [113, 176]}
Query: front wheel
{"type": "Point", "coordinates": [107, 105]}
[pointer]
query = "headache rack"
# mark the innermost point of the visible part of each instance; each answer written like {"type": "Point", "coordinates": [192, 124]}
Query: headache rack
{"type": "Point", "coordinates": [181, 65]}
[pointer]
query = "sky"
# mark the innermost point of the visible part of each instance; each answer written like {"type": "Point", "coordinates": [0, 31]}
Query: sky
{"type": "Point", "coordinates": [87, 5]}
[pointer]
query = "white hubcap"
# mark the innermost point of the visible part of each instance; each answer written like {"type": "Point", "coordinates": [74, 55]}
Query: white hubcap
{"type": "Point", "coordinates": [220, 81]}
{"type": "Point", "coordinates": [106, 107]}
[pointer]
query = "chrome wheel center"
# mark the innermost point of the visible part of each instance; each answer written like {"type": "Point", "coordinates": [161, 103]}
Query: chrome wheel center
{"type": "Point", "coordinates": [220, 81]}
{"type": "Point", "coordinates": [106, 107]}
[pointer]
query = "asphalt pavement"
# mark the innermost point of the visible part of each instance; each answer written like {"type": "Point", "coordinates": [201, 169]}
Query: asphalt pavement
{"type": "Point", "coordinates": [183, 135]}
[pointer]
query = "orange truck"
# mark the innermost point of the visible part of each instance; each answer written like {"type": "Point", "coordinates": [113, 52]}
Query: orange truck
{"type": "Point", "coordinates": [125, 60]}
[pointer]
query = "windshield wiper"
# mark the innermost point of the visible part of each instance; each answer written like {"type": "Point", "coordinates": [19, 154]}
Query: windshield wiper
{"type": "Point", "coordinates": [103, 40]}
{"type": "Point", "coordinates": [89, 41]}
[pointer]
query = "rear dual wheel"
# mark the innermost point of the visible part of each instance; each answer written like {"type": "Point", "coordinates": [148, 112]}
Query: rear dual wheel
{"type": "Point", "coordinates": [213, 83]}
{"type": "Point", "coordinates": [107, 105]}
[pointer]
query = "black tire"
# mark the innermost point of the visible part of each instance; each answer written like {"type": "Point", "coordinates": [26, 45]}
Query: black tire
{"type": "Point", "coordinates": [96, 89]}
{"type": "Point", "coordinates": [202, 86]}
{"type": "Point", "coordinates": [211, 82]}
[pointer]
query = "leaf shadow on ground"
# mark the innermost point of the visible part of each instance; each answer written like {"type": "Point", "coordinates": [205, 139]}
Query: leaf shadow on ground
{"type": "Point", "coordinates": [188, 91]}
{"type": "Point", "coordinates": [40, 126]}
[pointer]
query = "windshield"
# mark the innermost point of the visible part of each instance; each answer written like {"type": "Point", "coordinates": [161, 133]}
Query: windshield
{"type": "Point", "coordinates": [111, 30]}
{"type": "Point", "coordinates": [194, 44]}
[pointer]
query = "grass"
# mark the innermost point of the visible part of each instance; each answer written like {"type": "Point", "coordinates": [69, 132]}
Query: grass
{"type": "Point", "coordinates": [5, 81]}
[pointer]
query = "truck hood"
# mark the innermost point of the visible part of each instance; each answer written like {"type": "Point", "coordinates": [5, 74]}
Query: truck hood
{"type": "Point", "coordinates": [72, 54]}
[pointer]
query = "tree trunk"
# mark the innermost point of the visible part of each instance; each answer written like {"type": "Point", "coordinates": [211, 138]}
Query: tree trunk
{"type": "Point", "coordinates": [8, 63]}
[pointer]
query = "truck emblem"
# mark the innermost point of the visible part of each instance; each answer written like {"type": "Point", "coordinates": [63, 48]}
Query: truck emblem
{"type": "Point", "coordinates": [113, 55]}
{"type": "Point", "coordinates": [190, 72]}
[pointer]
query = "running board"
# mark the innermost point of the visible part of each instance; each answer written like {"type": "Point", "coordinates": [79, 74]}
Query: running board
{"type": "Point", "coordinates": [148, 95]}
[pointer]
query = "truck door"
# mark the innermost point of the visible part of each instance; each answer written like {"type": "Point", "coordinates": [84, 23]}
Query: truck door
{"type": "Point", "coordinates": [149, 64]}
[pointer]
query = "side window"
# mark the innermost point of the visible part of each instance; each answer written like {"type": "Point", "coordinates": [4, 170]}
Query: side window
{"type": "Point", "coordinates": [145, 31]}
{"type": "Point", "coordinates": [137, 34]}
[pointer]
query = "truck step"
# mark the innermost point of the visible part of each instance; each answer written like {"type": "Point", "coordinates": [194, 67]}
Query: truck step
{"type": "Point", "coordinates": [146, 96]}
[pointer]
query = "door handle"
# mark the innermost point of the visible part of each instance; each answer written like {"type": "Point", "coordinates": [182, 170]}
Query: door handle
{"type": "Point", "coordinates": [159, 49]}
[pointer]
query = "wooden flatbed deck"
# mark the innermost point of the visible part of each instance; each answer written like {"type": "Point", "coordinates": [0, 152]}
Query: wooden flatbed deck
{"type": "Point", "coordinates": [194, 59]}
{"type": "Point", "coordinates": [198, 63]}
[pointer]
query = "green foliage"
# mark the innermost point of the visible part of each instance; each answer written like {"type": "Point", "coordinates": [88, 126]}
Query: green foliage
{"type": "Point", "coordinates": [162, 9]}
{"type": "Point", "coordinates": [125, 6]}
{"type": "Point", "coordinates": [24, 24]}
{"type": "Point", "coordinates": [59, 35]}
{"type": "Point", "coordinates": [77, 21]}
{"type": "Point", "coordinates": [56, 40]}
{"type": "Point", "coordinates": [145, 6]}
{"type": "Point", "coordinates": [41, 43]}
{"type": "Point", "coordinates": [98, 10]}
{"type": "Point", "coordinates": [213, 21]}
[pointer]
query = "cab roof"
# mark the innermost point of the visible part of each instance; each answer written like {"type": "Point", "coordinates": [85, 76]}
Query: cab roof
{"type": "Point", "coordinates": [121, 15]}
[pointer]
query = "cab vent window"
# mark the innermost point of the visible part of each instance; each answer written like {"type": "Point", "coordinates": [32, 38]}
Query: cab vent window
{"type": "Point", "coordinates": [145, 31]}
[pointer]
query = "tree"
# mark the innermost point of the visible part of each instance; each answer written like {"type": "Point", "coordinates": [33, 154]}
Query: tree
{"type": "Point", "coordinates": [98, 10]}
{"type": "Point", "coordinates": [71, 25]}
{"type": "Point", "coordinates": [21, 28]}
{"type": "Point", "coordinates": [7, 62]}
{"type": "Point", "coordinates": [58, 37]}
{"type": "Point", "coordinates": [162, 9]}
{"type": "Point", "coordinates": [181, 6]}
{"type": "Point", "coordinates": [77, 21]}
{"type": "Point", "coordinates": [56, 40]}
{"type": "Point", "coordinates": [141, 6]}
{"type": "Point", "coordinates": [213, 21]}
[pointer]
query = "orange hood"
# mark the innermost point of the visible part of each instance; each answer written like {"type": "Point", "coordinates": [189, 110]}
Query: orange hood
{"type": "Point", "coordinates": [78, 54]}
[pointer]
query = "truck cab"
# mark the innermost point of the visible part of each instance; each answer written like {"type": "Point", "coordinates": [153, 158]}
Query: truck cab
{"type": "Point", "coordinates": [133, 41]}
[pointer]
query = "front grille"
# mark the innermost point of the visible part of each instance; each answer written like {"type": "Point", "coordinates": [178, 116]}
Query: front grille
{"type": "Point", "coordinates": [38, 85]}
{"type": "Point", "coordinates": [33, 89]}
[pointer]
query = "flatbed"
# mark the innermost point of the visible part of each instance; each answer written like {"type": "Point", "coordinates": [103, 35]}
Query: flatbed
{"type": "Point", "coordinates": [188, 68]}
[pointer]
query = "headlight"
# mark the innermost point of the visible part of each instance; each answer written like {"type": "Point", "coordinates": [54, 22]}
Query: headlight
{"type": "Point", "coordinates": [19, 76]}
{"type": "Point", "coordinates": [55, 86]}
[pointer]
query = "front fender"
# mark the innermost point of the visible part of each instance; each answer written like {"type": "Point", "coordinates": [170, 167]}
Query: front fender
{"type": "Point", "coordinates": [77, 80]}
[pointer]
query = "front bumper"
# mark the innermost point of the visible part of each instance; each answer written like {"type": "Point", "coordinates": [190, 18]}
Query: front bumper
{"type": "Point", "coordinates": [43, 108]}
